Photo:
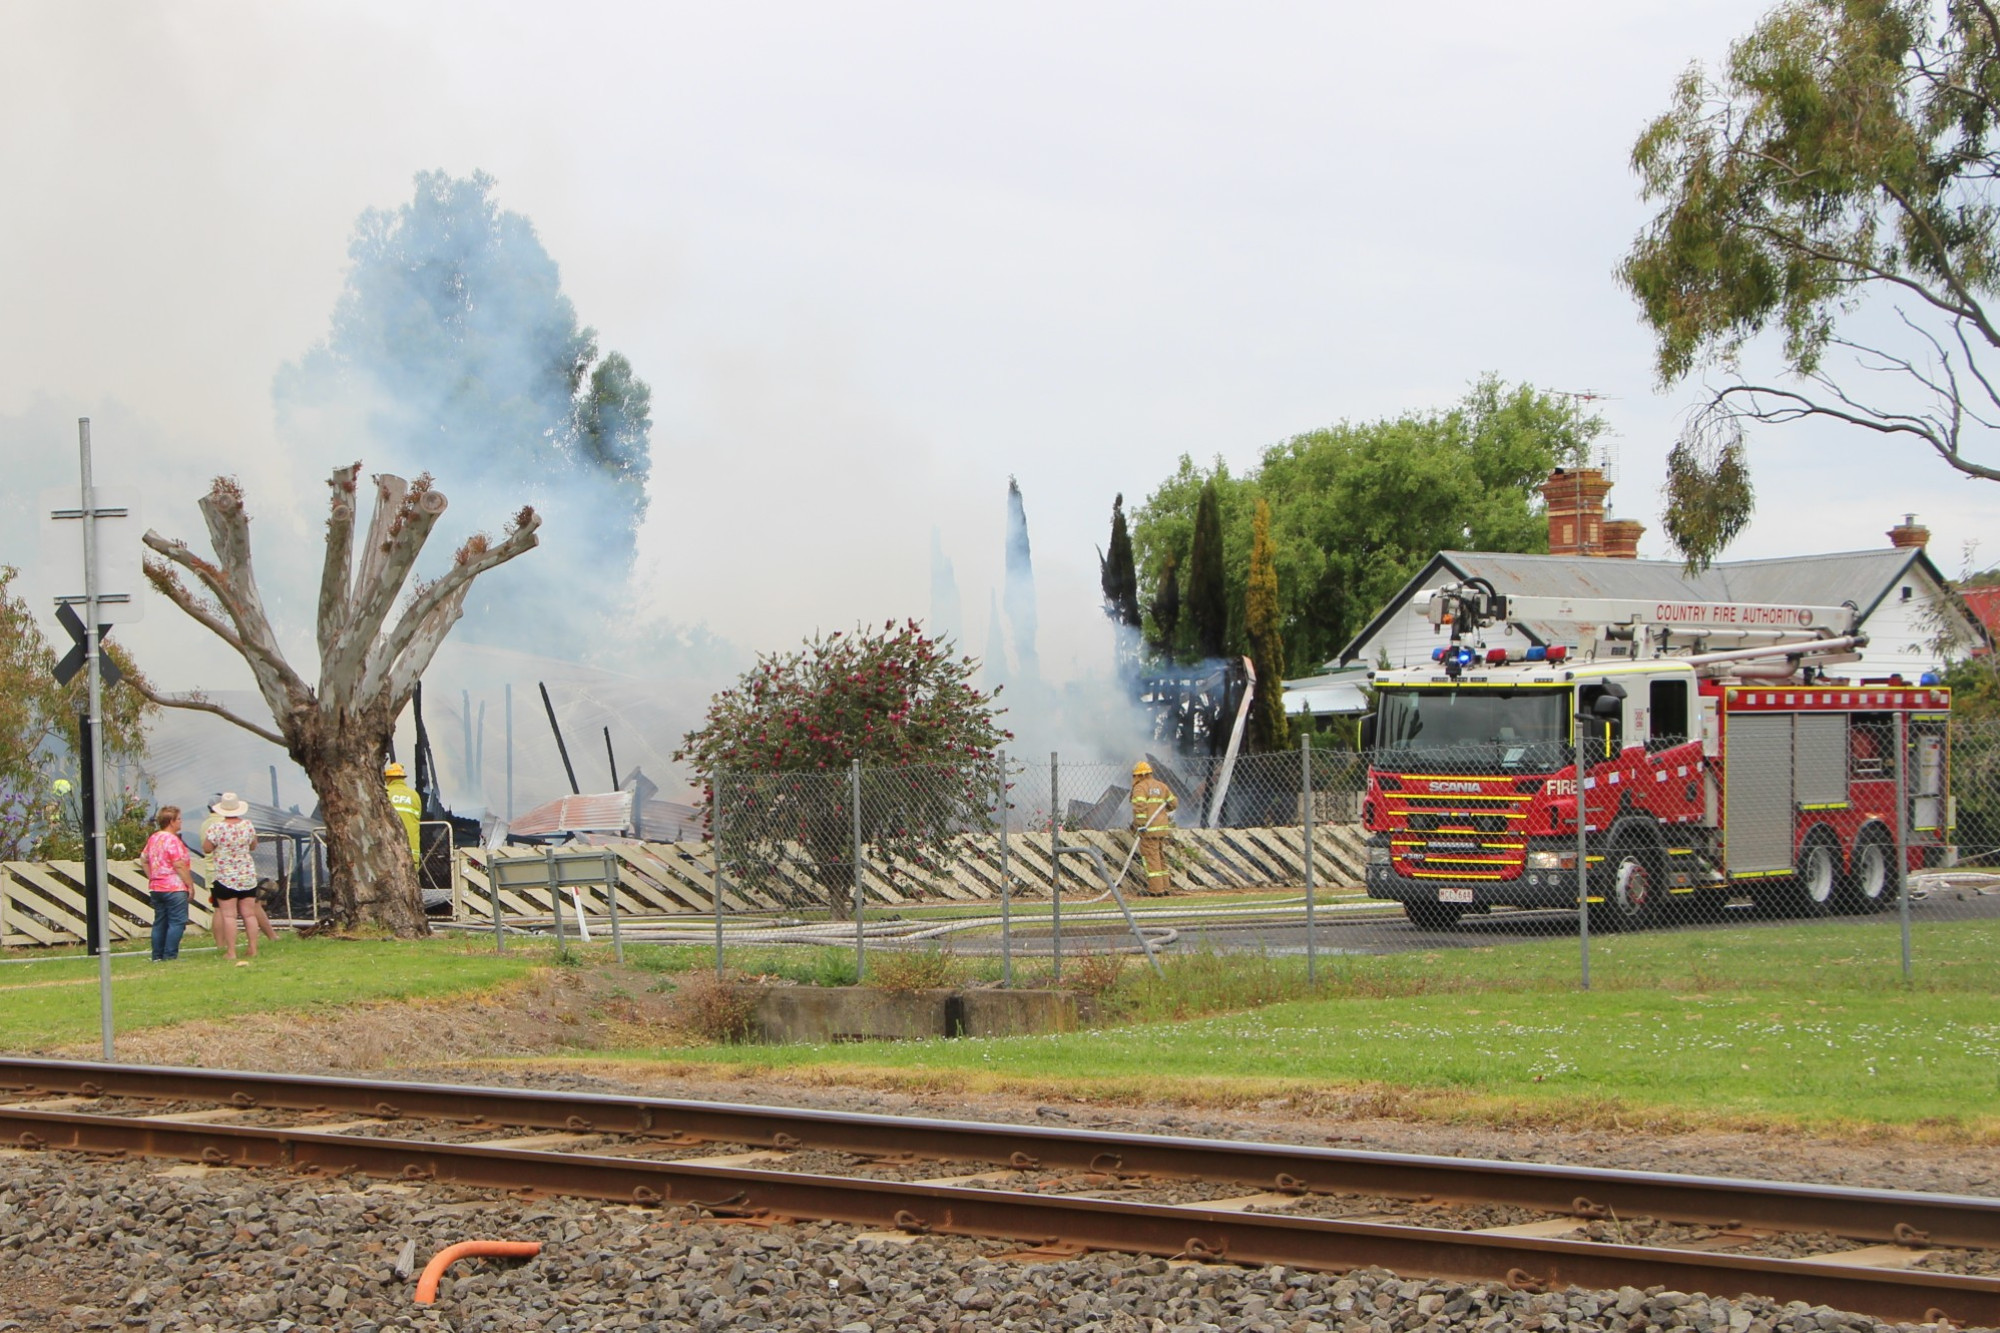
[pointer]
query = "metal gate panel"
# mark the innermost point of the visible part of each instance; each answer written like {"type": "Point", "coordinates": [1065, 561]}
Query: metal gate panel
{"type": "Point", "coordinates": [1819, 759]}
{"type": "Point", "coordinates": [1758, 829]}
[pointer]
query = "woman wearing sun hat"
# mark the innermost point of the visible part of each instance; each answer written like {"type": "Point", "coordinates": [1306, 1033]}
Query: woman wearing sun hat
{"type": "Point", "coordinates": [229, 841]}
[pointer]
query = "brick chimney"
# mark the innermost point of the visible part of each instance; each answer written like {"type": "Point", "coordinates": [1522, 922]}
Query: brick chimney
{"type": "Point", "coordinates": [1574, 498]}
{"type": "Point", "coordinates": [1909, 533]}
{"type": "Point", "coordinates": [1621, 538]}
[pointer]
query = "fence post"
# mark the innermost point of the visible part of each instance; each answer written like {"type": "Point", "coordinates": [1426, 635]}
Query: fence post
{"type": "Point", "coordinates": [555, 898]}
{"type": "Point", "coordinates": [715, 834]}
{"type": "Point", "coordinates": [1903, 834]}
{"type": "Point", "coordinates": [1006, 886]}
{"type": "Point", "coordinates": [493, 896]}
{"type": "Point", "coordinates": [1582, 846]}
{"type": "Point", "coordinates": [1306, 817]}
{"type": "Point", "coordinates": [860, 934]}
{"type": "Point", "coordinates": [1055, 874]}
{"type": "Point", "coordinates": [611, 903]}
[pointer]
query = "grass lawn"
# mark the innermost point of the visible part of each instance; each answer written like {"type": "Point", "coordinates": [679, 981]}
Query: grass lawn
{"type": "Point", "coordinates": [1809, 1025]}
{"type": "Point", "coordinates": [54, 1001]}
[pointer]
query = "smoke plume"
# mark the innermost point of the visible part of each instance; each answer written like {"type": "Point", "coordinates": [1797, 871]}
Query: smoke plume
{"type": "Point", "coordinates": [1020, 585]}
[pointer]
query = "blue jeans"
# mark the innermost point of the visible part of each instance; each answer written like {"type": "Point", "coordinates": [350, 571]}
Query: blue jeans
{"type": "Point", "coordinates": [170, 918]}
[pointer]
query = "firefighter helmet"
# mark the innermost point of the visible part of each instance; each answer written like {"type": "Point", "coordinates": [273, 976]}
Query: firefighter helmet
{"type": "Point", "coordinates": [1142, 769]}
{"type": "Point", "coordinates": [394, 770]}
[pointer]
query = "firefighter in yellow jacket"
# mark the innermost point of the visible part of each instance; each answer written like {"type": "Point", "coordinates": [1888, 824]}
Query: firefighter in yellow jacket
{"type": "Point", "coordinates": [1152, 802]}
{"type": "Point", "coordinates": [409, 807]}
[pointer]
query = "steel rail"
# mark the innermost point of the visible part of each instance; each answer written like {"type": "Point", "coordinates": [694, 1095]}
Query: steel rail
{"type": "Point", "coordinates": [1864, 1214]}
{"type": "Point", "coordinates": [1160, 1229]}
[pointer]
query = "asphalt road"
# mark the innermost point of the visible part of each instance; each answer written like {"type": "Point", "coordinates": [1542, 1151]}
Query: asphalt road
{"type": "Point", "coordinates": [1338, 932]}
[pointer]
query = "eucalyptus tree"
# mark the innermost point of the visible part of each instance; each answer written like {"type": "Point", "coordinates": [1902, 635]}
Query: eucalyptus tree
{"type": "Point", "coordinates": [371, 657]}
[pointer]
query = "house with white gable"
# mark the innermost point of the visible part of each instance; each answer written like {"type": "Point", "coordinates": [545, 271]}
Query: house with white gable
{"type": "Point", "coordinates": [1913, 622]}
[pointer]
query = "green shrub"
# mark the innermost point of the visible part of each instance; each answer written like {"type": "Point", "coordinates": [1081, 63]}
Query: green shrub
{"type": "Point", "coordinates": [932, 969]}
{"type": "Point", "coordinates": [713, 1010]}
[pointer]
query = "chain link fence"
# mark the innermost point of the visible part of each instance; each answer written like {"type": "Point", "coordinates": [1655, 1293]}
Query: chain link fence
{"type": "Point", "coordinates": [1788, 817]}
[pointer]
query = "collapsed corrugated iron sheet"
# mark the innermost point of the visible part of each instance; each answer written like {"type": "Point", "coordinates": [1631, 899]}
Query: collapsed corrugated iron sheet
{"type": "Point", "coordinates": [609, 812]}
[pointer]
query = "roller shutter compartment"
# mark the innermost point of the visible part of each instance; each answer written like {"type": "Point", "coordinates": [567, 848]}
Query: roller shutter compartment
{"type": "Point", "coordinates": [1819, 759]}
{"type": "Point", "coordinates": [1758, 828]}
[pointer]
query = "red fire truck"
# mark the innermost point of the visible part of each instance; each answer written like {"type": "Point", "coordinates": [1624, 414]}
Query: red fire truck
{"type": "Point", "coordinates": [1721, 758]}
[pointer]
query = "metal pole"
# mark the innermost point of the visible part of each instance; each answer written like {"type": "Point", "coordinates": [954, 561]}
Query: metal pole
{"type": "Point", "coordinates": [93, 929]}
{"type": "Point", "coordinates": [561, 748]}
{"type": "Point", "coordinates": [1582, 847]}
{"type": "Point", "coordinates": [611, 758]}
{"type": "Point", "coordinates": [1055, 875]}
{"type": "Point", "coordinates": [611, 904]}
{"type": "Point", "coordinates": [94, 828]}
{"type": "Point", "coordinates": [509, 705]}
{"type": "Point", "coordinates": [1903, 834]}
{"type": "Point", "coordinates": [1006, 885]}
{"type": "Point", "coordinates": [860, 937]}
{"type": "Point", "coordinates": [715, 836]}
{"type": "Point", "coordinates": [1306, 817]}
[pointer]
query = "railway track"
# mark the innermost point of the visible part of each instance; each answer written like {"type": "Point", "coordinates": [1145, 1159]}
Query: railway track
{"type": "Point", "coordinates": [1869, 1251]}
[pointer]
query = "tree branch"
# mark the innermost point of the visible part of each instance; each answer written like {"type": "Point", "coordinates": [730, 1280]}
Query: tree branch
{"type": "Point", "coordinates": [274, 679]}
{"type": "Point", "coordinates": [1991, 19]}
{"type": "Point", "coordinates": [1940, 252]}
{"type": "Point", "coordinates": [229, 534]}
{"type": "Point", "coordinates": [403, 519]}
{"type": "Point", "coordinates": [1799, 245]}
{"type": "Point", "coordinates": [418, 634]}
{"type": "Point", "coordinates": [197, 702]}
{"type": "Point", "coordinates": [406, 670]}
{"type": "Point", "coordinates": [1800, 407]}
{"type": "Point", "coordinates": [337, 570]}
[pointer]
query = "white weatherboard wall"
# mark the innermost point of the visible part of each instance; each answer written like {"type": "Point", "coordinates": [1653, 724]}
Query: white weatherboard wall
{"type": "Point", "coordinates": [1902, 635]}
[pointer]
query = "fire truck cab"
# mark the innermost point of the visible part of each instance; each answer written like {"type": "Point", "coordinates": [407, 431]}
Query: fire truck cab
{"type": "Point", "coordinates": [1719, 757]}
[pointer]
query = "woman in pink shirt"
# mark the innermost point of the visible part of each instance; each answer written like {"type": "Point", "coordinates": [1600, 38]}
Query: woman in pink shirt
{"type": "Point", "coordinates": [168, 880]}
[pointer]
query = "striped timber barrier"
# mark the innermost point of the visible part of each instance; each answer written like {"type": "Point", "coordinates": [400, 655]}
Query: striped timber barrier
{"type": "Point", "coordinates": [678, 879]}
{"type": "Point", "coordinates": [42, 902]}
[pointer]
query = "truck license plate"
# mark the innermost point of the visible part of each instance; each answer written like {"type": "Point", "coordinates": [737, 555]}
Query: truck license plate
{"type": "Point", "coordinates": [1454, 895]}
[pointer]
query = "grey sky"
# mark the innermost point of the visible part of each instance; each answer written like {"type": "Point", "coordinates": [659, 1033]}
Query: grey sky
{"type": "Point", "coordinates": [874, 258]}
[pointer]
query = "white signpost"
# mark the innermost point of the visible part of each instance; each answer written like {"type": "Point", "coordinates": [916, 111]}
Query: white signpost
{"type": "Point", "coordinates": [112, 593]}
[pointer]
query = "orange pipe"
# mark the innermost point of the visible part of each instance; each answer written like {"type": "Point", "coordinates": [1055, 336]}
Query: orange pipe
{"type": "Point", "coordinates": [427, 1285]}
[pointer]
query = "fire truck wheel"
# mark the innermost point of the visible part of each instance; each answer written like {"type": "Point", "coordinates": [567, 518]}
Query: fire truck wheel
{"type": "Point", "coordinates": [1869, 885]}
{"type": "Point", "coordinates": [1433, 916]}
{"type": "Point", "coordinates": [1637, 890]}
{"type": "Point", "coordinates": [1809, 891]}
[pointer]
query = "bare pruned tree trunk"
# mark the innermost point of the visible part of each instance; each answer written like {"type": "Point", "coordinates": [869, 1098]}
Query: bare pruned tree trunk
{"type": "Point", "coordinates": [339, 729]}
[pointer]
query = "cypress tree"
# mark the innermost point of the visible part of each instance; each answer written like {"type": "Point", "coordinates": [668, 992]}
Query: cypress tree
{"type": "Point", "coordinates": [1167, 608]}
{"type": "Point", "coordinates": [1118, 574]}
{"type": "Point", "coordinates": [1269, 728]}
{"type": "Point", "coordinates": [1207, 596]}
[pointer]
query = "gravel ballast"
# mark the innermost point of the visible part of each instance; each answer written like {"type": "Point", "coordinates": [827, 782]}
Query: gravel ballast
{"type": "Point", "coordinates": [88, 1243]}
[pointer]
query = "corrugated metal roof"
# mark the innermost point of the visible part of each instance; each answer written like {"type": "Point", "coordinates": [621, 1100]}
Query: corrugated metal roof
{"type": "Point", "coordinates": [1984, 603]}
{"type": "Point", "coordinates": [1862, 577]}
{"type": "Point", "coordinates": [672, 821]}
{"type": "Point", "coordinates": [610, 812]}
{"type": "Point", "coordinates": [1338, 692]}
{"type": "Point", "coordinates": [1808, 580]}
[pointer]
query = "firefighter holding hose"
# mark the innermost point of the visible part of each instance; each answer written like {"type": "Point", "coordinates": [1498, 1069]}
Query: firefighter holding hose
{"type": "Point", "coordinates": [1152, 804]}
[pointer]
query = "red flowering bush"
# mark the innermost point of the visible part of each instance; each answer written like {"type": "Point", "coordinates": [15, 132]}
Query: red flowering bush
{"type": "Point", "coordinates": [779, 745]}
